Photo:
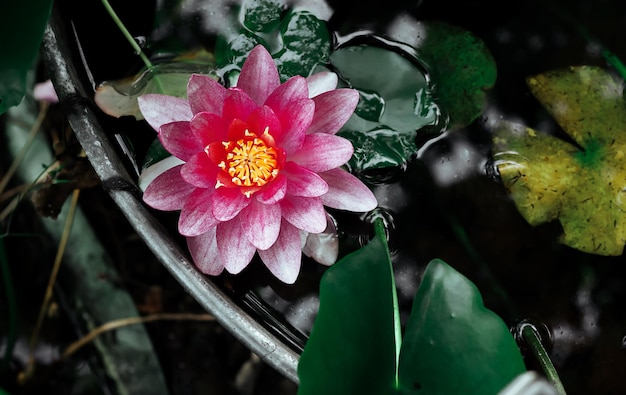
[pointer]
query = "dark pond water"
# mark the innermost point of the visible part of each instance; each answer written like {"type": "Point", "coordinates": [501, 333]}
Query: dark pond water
{"type": "Point", "coordinates": [447, 201]}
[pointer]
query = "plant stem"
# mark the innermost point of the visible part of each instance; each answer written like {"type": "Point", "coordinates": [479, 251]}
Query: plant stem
{"type": "Point", "coordinates": [133, 43]}
{"type": "Point", "coordinates": [531, 337]}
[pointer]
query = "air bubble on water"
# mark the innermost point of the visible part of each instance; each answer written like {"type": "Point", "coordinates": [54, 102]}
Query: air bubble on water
{"type": "Point", "coordinates": [389, 224]}
{"type": "Point", "coordinates": [543, 332]}
{"type": "Point", "coordinates": [142, 41]}
{"type": "Point", "coordinates": [491, 169]}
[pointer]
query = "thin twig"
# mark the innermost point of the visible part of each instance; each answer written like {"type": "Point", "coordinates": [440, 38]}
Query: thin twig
{"type": "Point", "coordinates": [20, 155]}
{"type": "Point", "coordinates": [55, 270]}
{"type": "Point", "coordinates": [6, 195]}
{"type": "Point", "coordinates": [115, 324]}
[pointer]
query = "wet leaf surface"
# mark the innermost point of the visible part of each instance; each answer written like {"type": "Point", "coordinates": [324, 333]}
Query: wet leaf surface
{"type": "Point", "coordinates": [296, 38]}
{"type": "Point", "coordinates": [391, 110]}
{"type": "Point", "coordinates": [580, 183]}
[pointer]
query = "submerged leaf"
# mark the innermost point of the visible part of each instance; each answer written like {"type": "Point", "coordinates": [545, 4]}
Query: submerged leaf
{"type": "Point", "coordinates": [119, 98]}
{"type": "Point", "coordinates": [462, 70]}
{"type": "Point", "coordinates": [550, 179]}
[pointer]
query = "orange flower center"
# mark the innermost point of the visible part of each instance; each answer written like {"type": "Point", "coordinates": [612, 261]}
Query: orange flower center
{"type": "Point", "coordinates": [249, 161]}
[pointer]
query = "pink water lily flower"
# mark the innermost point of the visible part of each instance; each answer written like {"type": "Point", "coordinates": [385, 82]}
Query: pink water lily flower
{"type": "Point", "coordinates": [258, 163]}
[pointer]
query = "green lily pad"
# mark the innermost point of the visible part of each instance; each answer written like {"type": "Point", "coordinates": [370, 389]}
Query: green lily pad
{"type": "Point", "coordinates": [379, 148]}
{"type": "Point", "coordinates": [306, 43]}
{"type": "Point", "coordinates": [462, 70]}
{"type": "Point", "coordinates": [296, 38]}
{"type": "Point", "coordinates": [386, 77]}
{"type": "Point", "coordinates": [262, 16]}
{"type": "Point", "coordinates": [395, 102]}
{"type": "Point", "coordinates": [583, 187]}
{"type": "Point", "coordinates": [452, 343]}
{"type": "Point", "coordinates": [22, 24]}
{"type": "Point", "coordinates": [119, 98]}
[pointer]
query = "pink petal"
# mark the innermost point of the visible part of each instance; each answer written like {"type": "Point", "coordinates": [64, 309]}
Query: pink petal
{"type": "Point", "coordinates": [283, 259]}
{"type": "Point", "coordinates": [178, 139]}
{"type": "Point", "coordinates": [295, 118]}
{"type": "Point", "coordinates": [321, 82]}
{"type": "Point", "coordinates": [322, 152]}
{"type": "Point", "coordinates": [208, 128]}
{"type": "Point", "coordinates": [273, 191]}
{"type": "Point", "coordinates": [235, 249]}
{"type": "Point", "coordinates": [196, 216]}
{"type": "Point", "coordinates": [261, 223]}
{"type": "Point", "coordinates": [259, 76]}
{"type": "Point", "coordinates": [333, 109]}
{"type": "Point", "coordinates": [346, 192]}
{"type": "Point", "coordinates": [168, 191]}
{"type": "Point", "coordinates": [303, 182]}
{"type": "Point", "coordinates": [161, 109]}
{"type": "Point", "coordinates": [237, 105]}
{"type": "Point", "coordinates": [44, 91]}
{"type": "Point", "coordinates": [261, 118]}
{"type": "Point", "coordinates": [204, 252]}
{"type": "Point", "coordinates": [307, 214]}
{"type": "Point", "coordinates": [295, 88]}
{"type": "Point", "coordinates": [323, 247]}
{"type": "Point", "coordinates": [200, 171]}
{"type": "Point", "coordinates": [228, 202]}
{"type": "Point", "coordinates": [205, 94]}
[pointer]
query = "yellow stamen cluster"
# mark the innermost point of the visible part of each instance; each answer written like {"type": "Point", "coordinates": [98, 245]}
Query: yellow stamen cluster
{"type": "Point", "coordinates": [250, 162]}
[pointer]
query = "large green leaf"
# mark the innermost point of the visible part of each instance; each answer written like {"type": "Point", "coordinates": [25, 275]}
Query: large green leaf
{"type": "Point", "coordinates": [452, 343]}
{"type": "Point", "coordinates": [352, 345]}
{"type": "Point", "coordinates": [21, 29]}
{"type": "Point", "coordinates": [551, 179]}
